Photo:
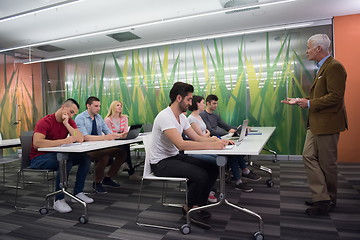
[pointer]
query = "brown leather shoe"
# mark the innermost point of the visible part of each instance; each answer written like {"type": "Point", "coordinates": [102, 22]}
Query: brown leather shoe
{"type": "Point", "coordinates": [317, 211]}
{"type": "Point", "coordinates": [319, 208]}
{"type": "Point", "coordinates": [311, 203]}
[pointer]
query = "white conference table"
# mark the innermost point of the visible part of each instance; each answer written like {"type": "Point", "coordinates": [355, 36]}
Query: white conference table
{"type": "Point", "coordinates": [89, 146]}
{"type": "Point", "coordinates": [251, 145]}
{"type": "Point", "coordinates": [62, 156]}
{"type": "Point", "coordinates": [8, 143]}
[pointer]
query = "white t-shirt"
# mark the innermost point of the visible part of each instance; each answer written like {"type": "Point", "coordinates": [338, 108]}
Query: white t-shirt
{"type": "Point", "coordinates": [162, 147]}
{"type": "Point", "coordinates": [200, 122]}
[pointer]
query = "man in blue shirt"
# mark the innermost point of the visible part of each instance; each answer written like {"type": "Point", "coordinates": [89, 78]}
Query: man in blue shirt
{"type": "Point", "coordinates": [92, 126]}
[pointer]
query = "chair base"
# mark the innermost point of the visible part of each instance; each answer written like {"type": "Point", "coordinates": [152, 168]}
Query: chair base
{"type": "Point", "coordinates": [164, 203]}
{"type": "Point", "coordinates": [269, 182]}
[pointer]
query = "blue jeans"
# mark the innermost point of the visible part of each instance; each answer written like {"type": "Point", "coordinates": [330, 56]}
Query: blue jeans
{"type": "Point", "coordinates": [49, 161]}
{"type": "Point", "coordinates": [234, 162]}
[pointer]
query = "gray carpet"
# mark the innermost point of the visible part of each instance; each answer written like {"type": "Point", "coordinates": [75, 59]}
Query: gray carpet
{"type": "Point", "coordinates": [112, 216]}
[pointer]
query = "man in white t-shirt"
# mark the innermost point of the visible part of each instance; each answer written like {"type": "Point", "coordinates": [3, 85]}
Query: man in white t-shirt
{"type": "Point", "coordinates": [165, 159]}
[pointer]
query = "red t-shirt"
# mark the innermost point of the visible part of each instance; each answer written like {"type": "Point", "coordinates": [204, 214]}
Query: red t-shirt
{"type": "Point", "coordinates": [52, 129]}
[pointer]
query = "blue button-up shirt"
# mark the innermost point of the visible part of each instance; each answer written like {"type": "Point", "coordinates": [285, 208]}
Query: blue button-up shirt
{"type": "Point", "coordinates": [319, 64]}
{"type": "Point", "coordinates": [84, 123]}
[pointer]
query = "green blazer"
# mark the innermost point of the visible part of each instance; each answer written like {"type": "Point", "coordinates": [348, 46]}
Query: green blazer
{"type": "Point", "coordinates": [327, 114]}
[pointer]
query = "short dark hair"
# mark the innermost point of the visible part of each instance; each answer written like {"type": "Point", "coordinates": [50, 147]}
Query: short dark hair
{"type": "Point", "coordinates": [196, 99]}
{"type": "Point", "coordinates": [91, 99]}
{"type": "Point", "coordinates": [180, 88]}
{"type": "Point", "coordinates": [73, 101]}
{"type": "Point", "coordinates": [211, 97]}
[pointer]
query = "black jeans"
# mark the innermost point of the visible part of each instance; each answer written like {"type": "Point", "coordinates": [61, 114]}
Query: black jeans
{"type": "Point", "coordinates": [202, 175]}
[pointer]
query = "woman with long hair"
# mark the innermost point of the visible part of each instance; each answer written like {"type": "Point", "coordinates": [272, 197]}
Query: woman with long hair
{"type": "Point", "coordinates": [119, 123]}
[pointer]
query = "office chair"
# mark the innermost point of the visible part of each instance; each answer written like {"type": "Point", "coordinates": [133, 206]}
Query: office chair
{"type": "Point", "coordinates": [138, 147]}
{"type": "Point", "coordinates": [26, 143]}
{"type": "Point", "coordinates": [147, 127]}
{"type": "Point", "coordinates": [148, 175]}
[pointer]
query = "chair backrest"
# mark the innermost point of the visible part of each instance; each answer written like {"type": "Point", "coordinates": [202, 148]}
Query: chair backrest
{"type": "Point", "coordinates": [147, 140]}
{"type": "Point", "coordinates": [26, 142]}
{"type": "Point", "coordinates": [147, 127]}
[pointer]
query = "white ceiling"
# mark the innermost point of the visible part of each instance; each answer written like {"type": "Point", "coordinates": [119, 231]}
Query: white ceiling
{"type": "Point", "coordinates": [89, 16]}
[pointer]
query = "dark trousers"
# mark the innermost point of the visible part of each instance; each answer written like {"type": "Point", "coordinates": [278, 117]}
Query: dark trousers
{"type": "Point", "coordinates": [102, 157]}
{"type": "Point", "coordinates": [126, 148]}
{"type": "Point", "coordinates": [202, 175]}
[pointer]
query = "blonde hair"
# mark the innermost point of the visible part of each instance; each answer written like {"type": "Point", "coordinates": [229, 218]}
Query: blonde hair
{"type": "Point", "coordinates": [112, 109]}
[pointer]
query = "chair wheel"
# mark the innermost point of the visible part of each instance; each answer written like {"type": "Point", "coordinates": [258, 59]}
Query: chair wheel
{"type": "Point", "coordinates": [43, 211]}
{"type": "Point", "coordinates": [185, 229]}
{"type": "Point", "coordinates": [83, 219]}
{"type": "Point", "coordinates": [258, 236]}
{"type": "Point", "coordinates": [270, 183]}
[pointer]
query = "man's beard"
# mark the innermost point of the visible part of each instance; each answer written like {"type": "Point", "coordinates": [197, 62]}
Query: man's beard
{"type": "Point", "coordinates": [183, 107]}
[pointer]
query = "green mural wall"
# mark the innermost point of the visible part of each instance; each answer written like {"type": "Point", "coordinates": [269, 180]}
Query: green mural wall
{"type": "Point", "coordinates": [250, 74]}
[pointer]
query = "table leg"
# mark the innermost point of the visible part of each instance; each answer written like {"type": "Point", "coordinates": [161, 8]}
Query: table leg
{"type": "Point", "coordinates": [62, 158]}
{"type": "Point", "coordinates": [221, 162]}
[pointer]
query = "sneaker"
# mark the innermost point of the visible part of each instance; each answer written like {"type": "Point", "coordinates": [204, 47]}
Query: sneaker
{"type": "Point", "coordinates": [243, 187]}
{"type": "Point", "coordinates": [82, 197]}
{"type": "Point", "coordinates": [212, 198]}
{"type": "Point", "coordinates": [251, 176]}
{"type": "Point", "coordinates": [110, 183]}
{"type": "Point", "coordinates": [135, 177]}
{"type": "Point", "coordinates": [98, 187]}
{"type": "Point", "coordinates": [61, 206]}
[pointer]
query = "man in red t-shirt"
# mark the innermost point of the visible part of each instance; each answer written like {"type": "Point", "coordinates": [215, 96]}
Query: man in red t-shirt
{"type": "Point", "coordinates": [52, 131]}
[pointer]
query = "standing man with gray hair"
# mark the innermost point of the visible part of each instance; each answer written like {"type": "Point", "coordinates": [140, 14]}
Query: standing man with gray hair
{"type": "Point", "coordinates": [327, 118]}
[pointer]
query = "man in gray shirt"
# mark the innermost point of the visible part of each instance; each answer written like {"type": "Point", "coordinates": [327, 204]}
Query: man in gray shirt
{"type": "Point", "coordinates": [218, 127]}
{"type": "Point", "coordinates": [214, 124]}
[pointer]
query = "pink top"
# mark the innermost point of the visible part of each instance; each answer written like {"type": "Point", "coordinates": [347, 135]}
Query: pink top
{"type": "Point", "coordinates": [117, 125]}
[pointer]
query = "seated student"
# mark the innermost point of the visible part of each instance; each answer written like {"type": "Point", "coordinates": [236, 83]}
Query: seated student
{"type": "Point", "coordinates": [199, 127]}
{"type": "Point", "coordinates": [118, 123]}
{"type": "Point", "coordinates": [92, 126]}
{"type": "Point", "coordinates": [52, 131]}
{"type": "Point", "coordinates": [213, 121]}
{"type": "Point", "coordinates": [165, 159]}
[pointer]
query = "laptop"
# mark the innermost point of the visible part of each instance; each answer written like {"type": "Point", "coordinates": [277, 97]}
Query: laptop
{"type": "Point", "coordinates": [237, 131]}
{"type": "Point", "coordinates": [243, 131]}
{"type": "Point", "coordinates": [241, 134]}
{"type": "Point", "coordinates": [133, 132]}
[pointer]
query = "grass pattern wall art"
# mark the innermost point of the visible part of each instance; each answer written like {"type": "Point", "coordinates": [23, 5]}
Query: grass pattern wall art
{"type": "Point", "coordinates": [250, 74]}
